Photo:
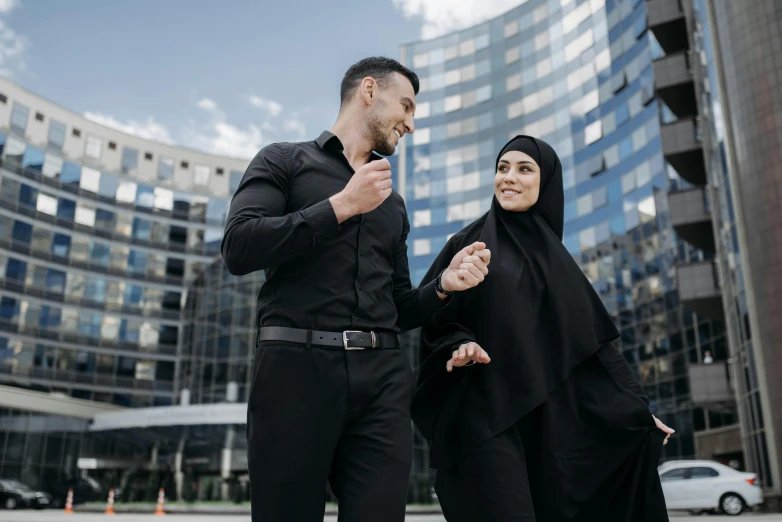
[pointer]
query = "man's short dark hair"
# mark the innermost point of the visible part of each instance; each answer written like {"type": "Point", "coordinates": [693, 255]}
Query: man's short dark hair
{"type": "Point", "coordinates": [380, 68]}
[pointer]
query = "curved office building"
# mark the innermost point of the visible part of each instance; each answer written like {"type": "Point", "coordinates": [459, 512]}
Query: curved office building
{"type": "Point", "coordinates": [100, 234]}
{"type": "Point", "coordinates": [579, 74]}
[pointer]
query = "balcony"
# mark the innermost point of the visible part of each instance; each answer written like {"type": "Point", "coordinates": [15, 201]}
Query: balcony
{"type": "Point", "coordinates": [666, 20]}
{"type": "Point", "coordinates": [710, 385]}
{"type": "Point", "coordinates": [674, 84]}
{"type": "Point", "coordinates": [691, 218]}
{"type": "Point", "coordinates": [683, 149]}
{"type": "Point", "coordinates": [699, 289]}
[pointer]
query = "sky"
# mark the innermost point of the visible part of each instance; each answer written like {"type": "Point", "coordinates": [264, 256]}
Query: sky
{"type": "Point", "coordinates": [223, 77]}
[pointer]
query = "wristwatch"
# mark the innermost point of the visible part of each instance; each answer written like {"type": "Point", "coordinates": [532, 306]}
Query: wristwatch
{"type": "Point", "coordinates": [438, 285]}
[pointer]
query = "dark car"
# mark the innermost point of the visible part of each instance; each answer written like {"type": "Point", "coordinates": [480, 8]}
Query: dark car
{"type": "Point", "coordinates": [14, 494]}
{"type": "Point", "coordinates": [85, 489]}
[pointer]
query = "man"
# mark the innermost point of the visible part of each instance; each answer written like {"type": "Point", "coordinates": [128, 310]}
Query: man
{"type": "Point", "coordinates": [331, 391]}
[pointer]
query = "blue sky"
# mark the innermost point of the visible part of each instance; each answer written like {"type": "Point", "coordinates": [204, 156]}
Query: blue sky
{"type": "Point", "coordinates": [225, 77]}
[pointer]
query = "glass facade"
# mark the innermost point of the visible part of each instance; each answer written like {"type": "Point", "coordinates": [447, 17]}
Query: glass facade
{"type": "Point", "coordinates": [99, 241]}
{"type": "Point", "coordinates": [579, 75]}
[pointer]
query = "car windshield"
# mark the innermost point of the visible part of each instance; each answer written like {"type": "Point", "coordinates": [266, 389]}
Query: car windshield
{"type": "Point", "coordinates": [14, 484]}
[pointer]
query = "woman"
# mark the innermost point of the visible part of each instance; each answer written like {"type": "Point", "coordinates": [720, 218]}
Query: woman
{"type": "Point", "coordinates": [551, 423]}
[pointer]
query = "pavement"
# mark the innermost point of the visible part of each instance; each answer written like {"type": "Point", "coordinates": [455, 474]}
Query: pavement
{"type": "Point", "coordinates": [58, 516]}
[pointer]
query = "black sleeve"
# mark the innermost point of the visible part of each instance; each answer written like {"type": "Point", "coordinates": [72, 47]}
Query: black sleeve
{"type": "Point", "coordinates": [618, 367]}
{"type": "Point", "coordinates": [414, 306]}
{"type": "Point", "coordinates": [258, 232]}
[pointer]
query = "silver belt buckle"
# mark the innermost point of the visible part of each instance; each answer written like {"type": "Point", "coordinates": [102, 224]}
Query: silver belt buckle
{"type": "Point", "coordinates": [345, 340]}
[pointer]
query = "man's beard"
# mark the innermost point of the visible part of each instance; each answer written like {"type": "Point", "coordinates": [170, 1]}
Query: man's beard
{"type": "Point", "coordinates": [381, 143]}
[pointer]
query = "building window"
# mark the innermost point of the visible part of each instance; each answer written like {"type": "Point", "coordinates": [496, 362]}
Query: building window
{"type": "Point", "coordinates": [593, 132]}
{"type": "Point", "coordinates": [94, 147]}
{"type": "Point", "coordinates": [220, 171]}
{"type": "Point", "coordinates": [112, 145]}
{"type": "Point", "coordinates": [184, 164]}
{"type": "Point", "coordinates": [56, 137]}
{"type": "Point", "coordinates": [19, 116]}
{"type": "Point", "coordinates": [3, 98]}
{"type": "Point", "coordinates": [38, 116]}
{"type": "Point", "coordinates": [148, 156]}
{"type": "Point", "coordinates": [422, 247]}
{"type": "Point", "coordinates": [165, 168]}
{"type": "Point", "coordinates": [236, 179]}
{"type": "Point", "coordinates": [76, 133]}
{"type": "Point", "coordinates": [129, 160]}
{"type": "Point", "coordinates": [422, 218]}
{"type": "Point", "coordinates": [202, 174]}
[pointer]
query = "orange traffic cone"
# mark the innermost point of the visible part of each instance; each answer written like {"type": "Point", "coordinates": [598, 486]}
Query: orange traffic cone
{"type": "Point", "coordinates": [69, 502]}
{"type": "Point", "coordinates": [110, 505]}
{"type": "Point", "coordinates": [161, 499]}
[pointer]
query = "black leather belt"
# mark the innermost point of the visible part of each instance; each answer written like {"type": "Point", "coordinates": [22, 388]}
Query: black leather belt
{"type": "Point", "coordinates": [348, 340]}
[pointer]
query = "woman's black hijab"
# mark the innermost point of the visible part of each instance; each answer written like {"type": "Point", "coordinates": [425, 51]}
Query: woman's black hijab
{"type": "Point", "coordinates": [536, 314]}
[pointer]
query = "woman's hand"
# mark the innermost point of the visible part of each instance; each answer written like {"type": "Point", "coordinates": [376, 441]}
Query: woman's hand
{"type": "Point", "coordinates": [468, 353]}
{"type": "Point", "coordinates": [664, 429]}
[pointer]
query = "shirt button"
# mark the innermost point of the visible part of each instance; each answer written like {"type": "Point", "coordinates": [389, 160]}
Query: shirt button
{"type": "Point", "coordinates": [361, 253]}
{"type": "Point", "coordinates": [358, 285]}
{"type": "Point", "coordinates": [328, 234]}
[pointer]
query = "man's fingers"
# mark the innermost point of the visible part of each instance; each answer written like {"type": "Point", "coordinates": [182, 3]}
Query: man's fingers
{"type": "Point", "coordinates": [381, 164]}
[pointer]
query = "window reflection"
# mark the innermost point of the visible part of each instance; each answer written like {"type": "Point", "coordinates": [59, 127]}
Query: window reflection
{"type": "Point", "coordinates": [19, 116]}
{"type": "Point", "coordinates": [52, 166]}
{"type": "Point", "coordinates": [71, 174]}
{"type": "Point", "coordinates": [109, 183]}
{"type": "Point", "coordinates": [93, 147]}
{"type": "Point", "coordinates": [126, 192]}
{"type": "Point", "coordinates": [129, 162]}
{"type": "Point", "coordinates": [145, 196]}
{"type": "Point", "coordinates": [56, 137]}
{"type": "Point", "coordinates": [201, 176]}
{"type": "Point", "coordinates": [33, 159]}
{"type": "Point", "coordinates": [164, 199]}
{"type": "Point", "coordinates": [165, 168]}
{"type": "Point", "coordinates": [90, 180]}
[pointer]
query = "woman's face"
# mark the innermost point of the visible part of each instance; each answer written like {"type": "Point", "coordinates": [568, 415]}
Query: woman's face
{"type": "Point", "coordinates": [517, 181]}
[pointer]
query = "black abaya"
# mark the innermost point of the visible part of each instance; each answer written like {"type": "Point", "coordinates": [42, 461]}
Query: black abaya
{"type": "Point", "coordinates": [549, 380]}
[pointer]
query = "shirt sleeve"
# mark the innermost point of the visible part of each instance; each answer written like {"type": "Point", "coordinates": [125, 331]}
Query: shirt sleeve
{"type": "Point", "coordinates": [415, 306]}
{"type": "Point", "coordinates": [258, 232]}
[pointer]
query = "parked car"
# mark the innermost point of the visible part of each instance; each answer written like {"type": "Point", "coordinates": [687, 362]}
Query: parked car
{"type": "Point", "coordinates": [706, 485]}
{"type": "Point", "coordinates": [85, 489]}
{"type": "Point", "coordinates": [14, 494]}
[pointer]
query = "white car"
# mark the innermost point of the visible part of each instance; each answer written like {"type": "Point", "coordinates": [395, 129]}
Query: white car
{"type": "Point", "coordinates": [705, 485]}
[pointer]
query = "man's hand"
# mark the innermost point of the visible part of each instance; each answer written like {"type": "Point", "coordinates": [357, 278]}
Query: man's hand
{"type": "Point", "coordinates": [468, 353]}
{"type": "Point", "coordinates": [664, 429]}
{"type": "Point", "coordinates": [366, 190]}
{"type": "Point", "coordinates": [467, 269]}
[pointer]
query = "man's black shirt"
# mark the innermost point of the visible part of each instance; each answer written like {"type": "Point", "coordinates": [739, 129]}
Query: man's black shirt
{"type": "Point", "coordinates": [320, 274]}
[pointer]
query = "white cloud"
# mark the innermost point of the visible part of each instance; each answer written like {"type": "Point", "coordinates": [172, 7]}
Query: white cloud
{"type": "Point", "coordinates": [149, 130]}
{"type": "Point", "coordinates": [7, 5]}
{"type": "Point", "coordinates": [296, 127]}
{"type": "Point", "coordinates": [272, 107]}
{"type": "Point", "coordinates": [12, 45]}
{"type": "Point", "coordinates": [443, 16]}
{"type": "Point", "coordinates": [220, 137]}
{"type": "Point", "coordinates": [207, 104]}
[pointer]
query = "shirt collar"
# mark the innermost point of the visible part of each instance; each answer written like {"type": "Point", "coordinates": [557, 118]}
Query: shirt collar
{"type": "Point", "coordinates": [331, 142]}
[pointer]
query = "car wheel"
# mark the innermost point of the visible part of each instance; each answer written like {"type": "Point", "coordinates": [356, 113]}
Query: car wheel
{"type": "Point", "coordinates": [10, 503]}
{"type": "Point", "coordinates": [731, 504]}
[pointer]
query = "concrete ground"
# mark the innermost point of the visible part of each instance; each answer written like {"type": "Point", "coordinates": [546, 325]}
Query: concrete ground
{"type": "Point", "coordinates": [58, 516]}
